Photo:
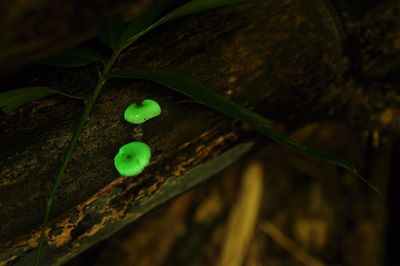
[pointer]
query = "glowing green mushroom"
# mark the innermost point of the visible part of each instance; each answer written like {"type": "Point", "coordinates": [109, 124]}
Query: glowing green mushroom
{"type": "Point", "coordinates": [132, 158]}
{"type": "Point", "coordinates": [138, 114]}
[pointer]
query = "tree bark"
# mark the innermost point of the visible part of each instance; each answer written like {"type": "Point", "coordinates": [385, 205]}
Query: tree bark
{"type": "Point", "coordinates": [291, 61]}
{"type": "Point", "coordinates": [31, 31]}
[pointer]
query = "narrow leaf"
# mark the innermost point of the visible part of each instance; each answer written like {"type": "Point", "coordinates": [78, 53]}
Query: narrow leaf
{"type": "Point", "coordinates": [207, 96]}
{"type": "Point", "coordinates": [74, 58]}
{"type": "Point", "coordinates": [144, 20]}
{"type": "Point", "coordinates": [13, 99]}
{"type": "Point", "coordinates": [196, 6]}
{"type": "Point", "coordinates": [193, 7]}
{"type": "Point", "coordinates": [110, 30]}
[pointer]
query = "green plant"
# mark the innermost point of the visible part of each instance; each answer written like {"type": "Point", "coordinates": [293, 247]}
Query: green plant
{"type": "Point", "coordinates": [113, 33]}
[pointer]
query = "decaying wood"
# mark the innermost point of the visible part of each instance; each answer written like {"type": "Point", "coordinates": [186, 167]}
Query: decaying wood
{"type": "Point", "coordinates": [33, 30]}
{"type": "Point", "coordinates": [282, 59]}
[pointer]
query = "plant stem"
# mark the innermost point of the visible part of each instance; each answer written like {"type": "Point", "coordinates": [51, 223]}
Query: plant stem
{"type": "Point", "coordinates": [103, 76]}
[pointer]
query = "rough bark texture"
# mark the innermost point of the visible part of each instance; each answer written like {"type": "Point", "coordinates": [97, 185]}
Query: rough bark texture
{"type": "Point", "coordinates": [288, 60]}
{"type": "Point", "coordinates": [33, 30]}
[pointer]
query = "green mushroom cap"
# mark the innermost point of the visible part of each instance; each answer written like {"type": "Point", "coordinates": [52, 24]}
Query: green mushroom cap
{"type": "Point", "coordinates": [138, 114]}
{"type": "Point", "coordinates": [132, 158]}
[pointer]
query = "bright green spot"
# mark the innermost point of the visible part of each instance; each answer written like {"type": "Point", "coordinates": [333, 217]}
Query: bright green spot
{"type": "Point", "coordinates": [138, 114]}
{"type": "Point", "coordinates": [132, 158]}
{"type": "Point", "coordinates": [220, 103]}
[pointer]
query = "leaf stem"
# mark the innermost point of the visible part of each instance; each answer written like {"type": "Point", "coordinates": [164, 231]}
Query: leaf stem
{"type": "Point", "coordinates": [103, 76]}
{"type": "Point", "coordinates": [69, 95]}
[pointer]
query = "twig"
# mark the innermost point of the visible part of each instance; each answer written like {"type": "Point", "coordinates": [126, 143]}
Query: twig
{"type": "Point", "coordinates": [297, 252]}
{"type": "Point", "coordinates": [243, 218]}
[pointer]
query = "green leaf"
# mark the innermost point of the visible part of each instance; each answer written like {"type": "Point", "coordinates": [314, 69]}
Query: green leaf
{"type": "Point", "coordinates": [196, 6]}
{"type": "Point", "coordinates": [193, 7]}
{"type": "Point", "coordinates": [13, 99]}
{"type": "Point", "coordinates": [110, 31]}
{"type": "Point", "coordinates": [207, 96]}
{"type": "Point", "coordinates": [74, 58]}
{"type": "Point", "coordinates": [144, 20]}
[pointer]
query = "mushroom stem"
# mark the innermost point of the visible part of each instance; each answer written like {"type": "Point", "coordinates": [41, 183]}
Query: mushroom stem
{"type": "Point", "coordinates": [138, 132]}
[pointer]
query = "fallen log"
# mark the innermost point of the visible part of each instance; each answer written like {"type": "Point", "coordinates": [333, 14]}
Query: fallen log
{"type": "Point", "coordinates": [284, 60]}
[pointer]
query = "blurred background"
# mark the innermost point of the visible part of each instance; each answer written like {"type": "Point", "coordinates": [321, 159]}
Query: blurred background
{"type": "Point", "coordinates": [275, 207]}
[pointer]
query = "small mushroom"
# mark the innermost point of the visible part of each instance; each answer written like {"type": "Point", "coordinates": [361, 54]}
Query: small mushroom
{"type": "Point", "coordinates": [138, 114]}
{"type": "Point", "coordinates": [132, 158]}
